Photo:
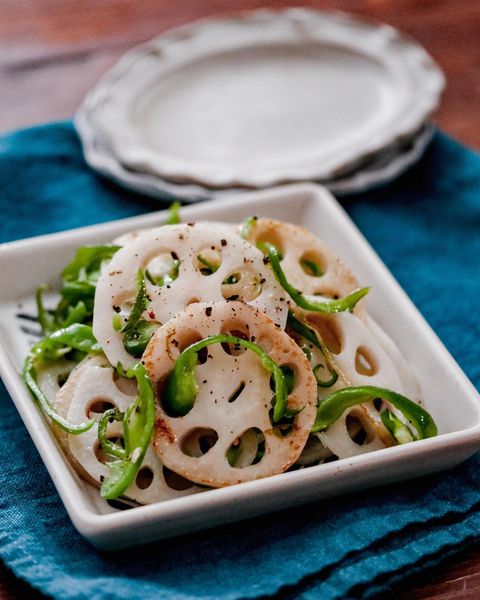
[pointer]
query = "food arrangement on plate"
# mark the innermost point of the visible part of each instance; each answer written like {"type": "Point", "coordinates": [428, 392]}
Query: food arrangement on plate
{"type": "Point", "coordinates": [200, 355]}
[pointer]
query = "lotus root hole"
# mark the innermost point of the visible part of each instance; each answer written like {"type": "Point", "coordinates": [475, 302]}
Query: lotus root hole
{"type": "Point", "coordinates": [192, 301]}
{"type": "Point", "coordinates": [313, 264]}
{"type": "Point", "coordinates": [246, 450]}
{"type": "Point", "coordinates": [357, 431]}
{"type": "Point", "coordinates": [98, 406]}
{"type": "Point", "coordinates": [243, 284]}
{"type": "Point", "coordinates": [144, 478]}
{"type": "Point", "coordinates": [236, 393]}
{"type": "Point", "coordinates": [265, 342]}
{"type": "Point", "coordinates": [175, 481]}
{"type": "Point", "coordinates": [199, 441]}
{"type": "Point", "coordinates": [365, 363]}
{"type": "Point", "coordinates": [126, 386]}
{"type": "Point", "coordinates": [162, 269]}
{"type": "Point", "coordinates": [330, 294]}
{"type": "Point", "coordinates": [61, 379]}
{"type": "Point", "coordinates": [328, 330]}
{"type": "Point", "coordinates": [271, 236]}
{"type": "Point", "coordinates": [238, 330]}
{"type": "Point", "coordinates": [178, 341]}
{"type": "Point", "coordinates": [208, 260]}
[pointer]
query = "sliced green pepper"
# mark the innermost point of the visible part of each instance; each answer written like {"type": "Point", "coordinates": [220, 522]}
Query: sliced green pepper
{"type": "Point", "coordinates": [182, 387]}
{"type": "Point", "coordinates": [109, 447]}
{"type": "Point", "coordinates": [247, 226]}
{"type": "Point", "coordinates": [327, 306]}
{"type": "Point", "coordinates": [140, 304]}
{"type": "Point", "coordinates": [398, 430]}
{"type": "Point", "coordinates": [173, 214]}
{"type": "Point", "coordinates": [325, 383]}
{"type": "Point", "coordinates": [137, 331]}
{"type": "Point", "coordinates": [310, 336]}
{"type": "Point", "coordinates": [138, 422]}
{"type": "Point", "coordinates": [335, 405]}
{"type": "Point", "coordinates": [53, 347]}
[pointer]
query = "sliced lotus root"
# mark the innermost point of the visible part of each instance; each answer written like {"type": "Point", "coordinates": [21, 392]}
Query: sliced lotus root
{"type": "Point", "coordinates": [231, 413]}
{"type": "Point", "coordinates": [308, 263]}
{"type": "Point", "coordinates": [53, 376]}
{"type": "Point", "coordinates": [358, 358]}
{"type": "Point", "coordinates": [410, 384]}
{"type": "Point", "coordinates": [93, 388]}
{"type": "Point", "coordinates": [131, 236]}
{"type": "Point", "coordinates": [183, 264]}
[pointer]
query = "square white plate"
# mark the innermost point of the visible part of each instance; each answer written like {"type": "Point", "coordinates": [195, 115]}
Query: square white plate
{"type": "Point", "coordinates": [446, 391]}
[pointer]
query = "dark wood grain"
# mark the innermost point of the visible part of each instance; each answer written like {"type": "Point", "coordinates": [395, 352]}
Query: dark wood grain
{"type": "Point", "coordinates": [53, 51]}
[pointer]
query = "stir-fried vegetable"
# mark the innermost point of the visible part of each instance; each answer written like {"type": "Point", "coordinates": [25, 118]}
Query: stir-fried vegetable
{"type": "Point", "coordinates": [79, 280]}
{"type": "Point", "coordinates": [325, 383]}
{"type": "Point", "coordinates": [138, 421]}
{"type": "Point", "coordinates": [247, 226]}
{"type": "Point", "coordinates": [137, 331]}
{"type": "Point", "coordinates": [61, 343]}
{"type": "Point", "coordinates": [335, 405]}
{"type": "Point", "coordinates": [182, 387]}
{"type": "Point", "coordinates": [326, 306]}
{"type": "Point", "coordinates": [173, 214]}
{"type": "Point", "coordinates": [309, 335]}
{"type": "Point", "coordinates": [401, 432]}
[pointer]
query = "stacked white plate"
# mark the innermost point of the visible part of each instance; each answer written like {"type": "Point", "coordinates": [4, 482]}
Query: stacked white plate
{"type": "Point", "coordinates": [220, 106]}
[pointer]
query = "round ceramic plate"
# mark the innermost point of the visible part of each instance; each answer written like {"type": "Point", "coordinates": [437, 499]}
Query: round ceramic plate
{"type": "Point", "coordinates": [264, 98]}
{"type": "Point", "coordinates": [381, 169]}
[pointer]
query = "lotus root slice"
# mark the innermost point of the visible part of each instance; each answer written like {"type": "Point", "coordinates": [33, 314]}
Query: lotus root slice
{"type": "Point", "coordinates": [179, 250]}
{"type": "Point", "coordinates": [92, 388]}
{"type": "Point", "coordinates": [234, 401]}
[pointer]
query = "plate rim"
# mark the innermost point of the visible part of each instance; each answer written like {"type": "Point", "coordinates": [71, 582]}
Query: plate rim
{"type": "Point", "coordinates": [100, 157]}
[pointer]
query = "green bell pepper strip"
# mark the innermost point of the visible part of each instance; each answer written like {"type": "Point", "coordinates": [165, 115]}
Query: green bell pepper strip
{"type": "Point", "coordinates": [302, 330]}
{"type": "Point", "coordinates": [335, 405]}
{"type": "Point", "coordinates": [136, 340]}
{"type": "Point", "coordinates": [75, 337]}
{"type": "Point", "coordinates": [109, 447]}
{"type": "Point", "coordinates": [182, 387]}
{"type": "Point", "coordinates": [173, 214]}
{"type": "Point", "coordinates": [45, 319]}
{"type": "Point", "coordinates": [311, 268]}
{"type": "Point", "coordinates": [328, 382]}
{"type": "Point", "coordinates": [138, 422]}
{"type": "Point", "coordinates": [247, 226]}
{"type": "Point", "coordinates": [79, 282]}
{"type": "Point", "coordinates": [328, 306]}
{"type": "Point", "coordinates": [310, 336]}
{"type": "Point", "coordinates": [397, 428]}
{"type": "Point", "coordinates": [137, 331]}
{"type": "Point", "coordinates": [140, 304]}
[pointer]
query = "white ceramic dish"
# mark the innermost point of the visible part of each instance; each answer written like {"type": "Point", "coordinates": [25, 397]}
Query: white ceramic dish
{"type": "Point", "coordinates": [26, 264]}
{"type": "Point", "coordinates": [264, 98]}
{"type": "Point", "coordinates": [383, 167]}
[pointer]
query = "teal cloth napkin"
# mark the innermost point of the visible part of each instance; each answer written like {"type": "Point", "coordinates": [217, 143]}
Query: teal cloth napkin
{"type": "Point", "coordinates": [426, 227]}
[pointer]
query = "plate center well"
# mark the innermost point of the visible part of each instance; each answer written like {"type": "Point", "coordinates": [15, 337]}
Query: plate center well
{"type": "Point", "coordinates": [262, 106]}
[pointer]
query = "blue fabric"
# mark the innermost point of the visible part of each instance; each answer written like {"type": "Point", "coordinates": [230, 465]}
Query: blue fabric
{"type": "Point", "coordinates": [426, 227]}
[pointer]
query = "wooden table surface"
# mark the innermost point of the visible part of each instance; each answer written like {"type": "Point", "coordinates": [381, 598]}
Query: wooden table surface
{"type": "Point", "coordinates": [53, 51]}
